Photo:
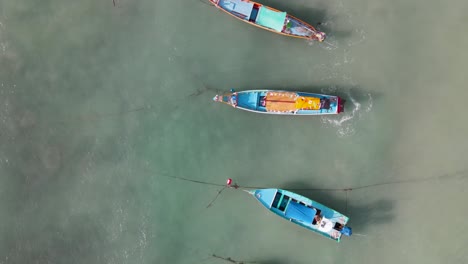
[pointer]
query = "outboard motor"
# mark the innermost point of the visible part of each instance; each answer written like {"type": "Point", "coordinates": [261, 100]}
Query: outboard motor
{"type": "Point", "coordinates": [347, 231]}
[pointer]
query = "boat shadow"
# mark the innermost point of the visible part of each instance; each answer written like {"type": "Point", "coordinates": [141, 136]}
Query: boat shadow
{"type": "Point", "coordinates": [361, 215]}
{"type": "Point", "coordinates": [316, 17]}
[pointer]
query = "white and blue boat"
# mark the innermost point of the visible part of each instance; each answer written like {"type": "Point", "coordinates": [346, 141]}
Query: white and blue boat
{"type": "Point", "coordinates": [283, 102]}
{"type": "Point", "coordinates": [304, 212]}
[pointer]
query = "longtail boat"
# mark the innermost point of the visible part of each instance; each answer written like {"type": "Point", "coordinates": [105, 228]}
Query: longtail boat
{"type": "Point", "coordinates": [282, 102]}
{"type": "Point", "coordinates": [269, 18]}
{"type": "Point", "coordinates": [304, 212]}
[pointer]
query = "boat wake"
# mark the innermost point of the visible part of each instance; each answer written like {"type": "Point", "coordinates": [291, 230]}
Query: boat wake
{"type": "Point", "coordinates": [341, 28]}
{"type": "Point", "coordinates": [361, 37]}
{"type": "Point", "coordinates": [362, 235]}
{"type": "Point", "coordinates": [330, 43]}
{"type": "Point", "coordinates": [337, 70]}
{"type": "Point", "coordinates": [344, 124]}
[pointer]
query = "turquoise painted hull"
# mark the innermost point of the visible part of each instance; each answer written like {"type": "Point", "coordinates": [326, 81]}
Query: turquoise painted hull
{"type": "Point", "coordinates": [254, 101]}
{"type": "Point", "coordinates": [302, 211]}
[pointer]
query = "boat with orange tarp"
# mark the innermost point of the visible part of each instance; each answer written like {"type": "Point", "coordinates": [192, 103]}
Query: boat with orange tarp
{"type": "Point", "coordinates": [283, 102]}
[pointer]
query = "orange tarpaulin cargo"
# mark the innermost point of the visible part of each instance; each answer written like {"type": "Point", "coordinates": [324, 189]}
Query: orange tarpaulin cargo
{"type": "Point", "coordinates": [308, 103]}
{"type": "Point", "coordinates": [290, 102]}
{"type": "Point", "coordinates": [280, 101]}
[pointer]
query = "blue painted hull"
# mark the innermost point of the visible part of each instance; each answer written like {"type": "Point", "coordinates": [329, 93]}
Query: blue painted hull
{"type": "Point", "coordinates": [254, 101]}
{"type": "Point", "coordinates": [304, 212]}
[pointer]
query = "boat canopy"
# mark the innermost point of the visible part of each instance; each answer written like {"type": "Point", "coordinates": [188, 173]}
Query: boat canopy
{"type": "Point", "coordinates": [300, 212]}
{"type": "Point", "coordinates": [271, 19]}
{"type": "Point", "coordinates": [237, 7]}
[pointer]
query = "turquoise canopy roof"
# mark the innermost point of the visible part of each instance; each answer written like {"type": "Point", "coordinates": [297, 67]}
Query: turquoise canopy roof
{"type": "Point", "coordinates": [271, 19]}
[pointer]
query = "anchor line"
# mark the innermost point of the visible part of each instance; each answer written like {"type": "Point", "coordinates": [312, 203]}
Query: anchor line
{"type": "Point", "coordinates": [216, 197]}
{"type": "Point", "coordinates": [462, 173]}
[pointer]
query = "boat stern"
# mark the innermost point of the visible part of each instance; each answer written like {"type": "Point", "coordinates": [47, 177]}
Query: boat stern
{"type": "Point", "coordinates": [340, 105]}
{"type": "Point", "coordinates": [332, 104]}
{"type": "Point", "coordinates": [319, 36]}
{"type": "Point", "coordinates": [347, 231]}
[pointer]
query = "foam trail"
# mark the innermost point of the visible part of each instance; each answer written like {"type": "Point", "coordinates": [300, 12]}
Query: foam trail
{"type": "Point", "coordinates": [345, 127]}
{"type": "Point", "coordinates": [329, 44]}
{"type": "Point", "coordinates": [362, 34]}
{"type": "Point", "coordinates": [354, 234]}
{"type": "Point", "coordinates": [371, 103]}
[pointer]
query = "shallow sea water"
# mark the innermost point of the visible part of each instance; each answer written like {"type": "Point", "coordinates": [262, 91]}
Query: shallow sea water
{"type": "Point", "coordinates": [101, 106]}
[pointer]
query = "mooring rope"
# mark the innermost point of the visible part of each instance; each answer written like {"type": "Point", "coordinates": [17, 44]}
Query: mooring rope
{"type": "Point", "coordinates": [230, 184]}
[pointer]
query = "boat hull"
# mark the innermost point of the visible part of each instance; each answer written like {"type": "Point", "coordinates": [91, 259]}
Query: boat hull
{"type": "Point", "coordinates": [303, 212]}
{"type": "Point", "coordinates": [283, 102]}
{"type": "Point", "coordinates": [250, 12]}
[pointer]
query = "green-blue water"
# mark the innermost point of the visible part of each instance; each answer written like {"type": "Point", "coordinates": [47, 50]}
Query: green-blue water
{"type": "Point", "coordinates": [99, 103]}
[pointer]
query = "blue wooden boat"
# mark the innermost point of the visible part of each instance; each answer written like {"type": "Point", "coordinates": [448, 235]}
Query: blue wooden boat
{"type": "Point", "coordinates": [269, 18]}
{"type": "Point", "coordinates": [304, 212]}
{"type": "Point", "coordinates": [283, 102]}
